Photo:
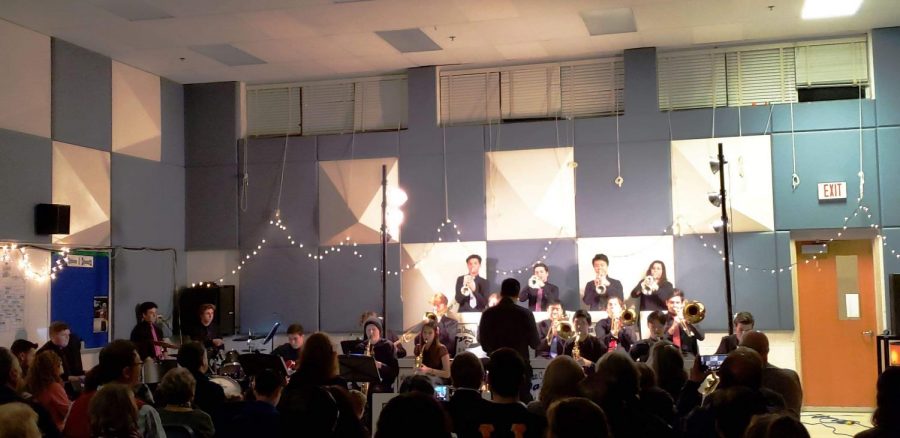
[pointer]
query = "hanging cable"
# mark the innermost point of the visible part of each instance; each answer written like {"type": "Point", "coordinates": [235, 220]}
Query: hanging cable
{"type": "Point", "coordinates": [862, 175]}
{"type": "Point", "coordinates": [795, 178]}
{"type": "Point", "coordinates": [446, 197]}
{"type": "Point", "coordinates": [619, 180]}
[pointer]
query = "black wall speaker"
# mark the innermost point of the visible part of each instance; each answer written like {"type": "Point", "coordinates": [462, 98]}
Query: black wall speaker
{"type": "Point", "coordinates": [51, 219]}
{"type": "Point", "coordinates": [191, 299]}
{"type": "Point", "coordinates": [895, 304]}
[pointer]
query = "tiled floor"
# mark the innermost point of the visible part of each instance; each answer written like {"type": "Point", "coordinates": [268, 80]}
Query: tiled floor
{"type": "Point", "coordinates": [831, 424]}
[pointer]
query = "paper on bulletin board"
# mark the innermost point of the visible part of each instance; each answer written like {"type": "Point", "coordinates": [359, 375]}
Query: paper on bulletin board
{"type": "Point", "coordinates": [12, 298]}
{"type": "Point", "coordinates": [852, 303]}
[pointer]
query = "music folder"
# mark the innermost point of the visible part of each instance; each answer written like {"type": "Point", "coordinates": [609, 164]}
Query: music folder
{"type": "Point", "coordinates": [253, 363]}
{"type": "Point", "coordinates": [358, 368]}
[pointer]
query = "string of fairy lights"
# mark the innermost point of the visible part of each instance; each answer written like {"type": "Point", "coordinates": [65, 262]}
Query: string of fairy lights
{"type": "Point", "coordinates": [14, 253]}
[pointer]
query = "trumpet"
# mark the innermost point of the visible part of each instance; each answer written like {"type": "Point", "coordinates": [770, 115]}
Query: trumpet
{"type": "Point", "coordinates": [466, 290]}
{"type": "Point", "coordinates": [649, 285]}
{"type": "Point", "coordinates": [535, 282]}
{"type": "Point", "coordinates": [600, 284]}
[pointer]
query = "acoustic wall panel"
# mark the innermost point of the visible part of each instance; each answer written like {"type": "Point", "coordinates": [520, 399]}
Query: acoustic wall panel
{"type": "Point", "coordinates": [172, 122]}
{"type": "Point", "coordinates": [530, 194]}
{"type": "Point", "coordinates": [81, 179]}
{"type": "Point", "coordinates": [147, 203]}
{"type": "Point", "coordinates": [350, 199]}
{"type": "Point", "coordinates": [629, 258]}
{"type": "Point", "coordinates": [25, 178]}
{"type": "Point", "coordinates": [515, 258]}
{"type": "Point", "coordinates": [82, 96]}
{"type": "Point", "coordinates": [142, 276]}
{"type": "Point", "coordinates": [24, 80]}
{"type": "Point", "coordinates": [279, 285]}
{"type": "Point", "coordinates": [136, 113]}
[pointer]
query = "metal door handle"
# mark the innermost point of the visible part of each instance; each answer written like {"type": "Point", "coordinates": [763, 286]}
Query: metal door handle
{"type": "Point", "coordinates": [869, 333]}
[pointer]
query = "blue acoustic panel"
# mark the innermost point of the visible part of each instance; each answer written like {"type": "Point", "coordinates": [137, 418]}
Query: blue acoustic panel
{"type": "Point", "coordinates": [640, 72]}
{"type": "Point", "coordinates": [822, 157]}
{"type": "Point", "coordinates": [299, 199]}
{"type": "Point", "coordinates": [889, 175]}
{"type": "Point", "coordinates": [642, 127]}
{"type": "Point", "coordinates": [421, 141]}
{"type": "Point", "coordinates": [211, 207]}
{"type": "Point", "coordinates": [700, 275]}
{"type": "Point", "coordinates": [465, 180]}
{"type": "Point", "coordinates": [422, 93]}
{"type": "Point", "coordinates": [590, 130]}
{"type": "Point", "coordinates": [142, 276]}
{"type": "Point", "coordinates": [524, 135]}
{"type": "Point", "coordinates": [513, 256]}
{"type": "Point", "coordinates": [271, 150]}
{"type": "Point", "coordinates": [886, 58]}
{"type": "Point", "coordinates": [172, 106]}
{"type": "Point", "coordinates": [642, 206]}
{"type": "Point", "coordinates": [148, 203]}
{"type": "Point", "coordinates": [25, 180]}
{"type": "Point", "coordinates": [279, 285]}
{"type": "Point", "coordinates": [211, 120]}
{"type": "Point", "coordinates": [698, 123]}
{"type": "Point", "coordinates": [350, 285]}
{"type": "Point", "coordinates": [82, 96]}
{"type": "Point", "coordinates": [835, 114]}
{"type": "Point", "coordinates": [365, 145]}
{"type": "Point", "coordinates": [785, 280]}
{"type": "Point", "coordinates": [421, 176]}
{"type": "Point", "coordinates": [891, 262]}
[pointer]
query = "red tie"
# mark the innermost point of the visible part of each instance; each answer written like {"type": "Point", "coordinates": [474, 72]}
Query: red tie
{"type": "Point", "coordinates": [676, 339]}
{"type": "Point", "coordinates": [156, 350]}
{"type": "Point", "coordinates": [537, 303]}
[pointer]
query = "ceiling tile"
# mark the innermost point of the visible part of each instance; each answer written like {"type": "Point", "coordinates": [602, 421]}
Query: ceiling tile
{"type": "Point", "coordinates": [718, 33]}
{"type": "Point", "coordinates": [200, 31]}
{"type": "Point", "coordinates": [278, 24]}
{"type": "Point", "coordinates": [533, 50]}
{"type": "Point", "coordinates": [132, 10]}
{"type": "Point", "coordinates": [274, 51]}
{"type": "Point", "coordinates": [228, 54]}
{"type": "Point", "coordinates": [363, 44]}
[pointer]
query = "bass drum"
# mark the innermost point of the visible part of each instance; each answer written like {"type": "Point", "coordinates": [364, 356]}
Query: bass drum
{"type": "Point", "coordinates": [232, 388]}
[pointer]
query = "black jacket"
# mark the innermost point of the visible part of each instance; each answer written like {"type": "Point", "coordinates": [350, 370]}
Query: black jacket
{"type": "Point", "coordinates": [143, 338]}
{"type": "Point", "coordinates": [625, 339]}
{"type": "Point", "coordinates": [597, 301]}
{"type": "Point", "coordinates": [655, 300]}
{"type": "Point", "coordinates": [551, 293]}
{"type": "Point", "coordinates": [508, 325]}
{"type": "Point", "coordinates": [482, 291]}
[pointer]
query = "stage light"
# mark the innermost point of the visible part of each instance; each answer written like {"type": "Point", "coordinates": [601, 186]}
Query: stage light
{"type": "Point", "coordinates": [396, 197]}
{"type": "Point", "coordinates": [815, 9]}
{"type": "Point", "coordinates": [714, 165]}
{"type": "Point", "coordinates": [714, 198]}
{"type": "Point", "coordinates": [717, 225]}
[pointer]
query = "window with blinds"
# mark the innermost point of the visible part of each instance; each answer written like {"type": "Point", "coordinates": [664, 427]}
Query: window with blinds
{"type": "Point", "coordinates": [380, 105]}
{"type": "Point", "coordinates": [273, 111]}
{"type": "Point", "coordinates": [758, 75]}
{"type": "Point", "coordinates": [579, 89]}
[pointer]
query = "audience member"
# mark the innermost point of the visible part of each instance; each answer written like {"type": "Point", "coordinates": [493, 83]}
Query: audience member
{"type": "Point", "coordinates": [732, 409]}
{"type": "Point", "coordinates": [68, 347]}
{"type": "Point", "coordinates": [359, 402]}
{"type": "Point", "coordinates": [178, 386]}
{"type": "Point", "coordinates": [618, 387]}
{"type": "Point", "coordinates": [208, 396]}
{"type": "Point", "coordinates": [743, 323]}
{"type": "Point", "coordinates": [506, 372]}
{"type": "Point", "coordinates": [783, 381]}
{"type": "Point", "coordinates": [18, 420]}
{"type": "Point", "coordinates": [776, 426]}
{"type": "Point", "coordinates": [260, 417]}
{"type": "Point", "coordinates": [561, 379]}
{"type": "Point", "coordinates": [413, 415]}
{"type": "Point", "coordinates": [24, 351]}
{"type": "Point", "coordinates": [467, 406]}
{"type": "Point", "coordinates": [653, 398]}
{"type": "Point", "coordinates": [45, 386]}
{"type": "Point", "coordinates": [886, 419]}
{"type": "Point", "coordinates": [417, 383]}
{"type": "Point", "coordinates": [10, 382]}
{"type": "Point", "coordinates": [119, 363]}
{"type": "Point", "coordinates": [113, 413]}
{"type": "Point", "coordinates": [668, 365]}
{"type": "Point", "coordinates": [576, 417]}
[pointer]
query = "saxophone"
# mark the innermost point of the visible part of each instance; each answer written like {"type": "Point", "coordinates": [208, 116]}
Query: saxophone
{"type": "Point", "coordinates": [576, 350]}
{"type": "Point", "coordinates": [364, 388]}
{"type": "Point", "coordinates": [419, 357]}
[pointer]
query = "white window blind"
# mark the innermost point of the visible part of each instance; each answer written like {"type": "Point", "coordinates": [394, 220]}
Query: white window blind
{"type": "Point", "coordinates": [832, 64]}
{"type": "Point", "coordinates": [328, 108]}
{"type": "Point", "coordinates": [470, 98]}
{"type": "Point", "coordinates": [593, 89]}
{"type": "Point", "coordinates": [272, 111]}
{"type": "Point", "coordinates": [530, 93]}
{"type": "Point", "coordinates": [691, 80]}
{"type": "Point", "coordinates": [761, 76]}
{"type": "Point", "coordinates": [380, 104]}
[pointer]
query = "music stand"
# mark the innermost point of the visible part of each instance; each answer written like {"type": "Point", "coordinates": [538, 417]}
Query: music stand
{"type": "Point", "coordinates": [271, 336]}
{"type": "Point", "coordinates": [348, 346]}
{"type": "Point", "coordinates": [358, 368]}
{"type": "Point", "coordinates": [253, 363]}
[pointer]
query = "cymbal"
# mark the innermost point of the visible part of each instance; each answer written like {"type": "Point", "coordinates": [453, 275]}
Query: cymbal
{"type": "Point", "coordinates": [249, 338]}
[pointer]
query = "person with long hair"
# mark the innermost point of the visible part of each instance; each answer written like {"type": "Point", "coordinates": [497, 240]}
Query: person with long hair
{"type": "Point", "coordinates": [114, 413]}
{"type": "Point", "coordinates": [655, 288]}
{"type": "Point", "coordinates": [886, 418]}
{"type": "Point", "coordinates": [46, 386]}
{"type": "Point", "coordinates": [435, 357]}
{"type": "Point", "coordinates": [668, 365]}
{"type": "Point", "coordinates": [561, 379]}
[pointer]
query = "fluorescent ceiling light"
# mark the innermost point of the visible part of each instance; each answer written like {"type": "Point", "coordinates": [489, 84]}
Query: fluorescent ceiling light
{"type": "Point", "coordinates": [813, 9]}
{"type": "Point", "coordinates": [408, 40]}
{"type": "Point", "coordinates": [609, 21]}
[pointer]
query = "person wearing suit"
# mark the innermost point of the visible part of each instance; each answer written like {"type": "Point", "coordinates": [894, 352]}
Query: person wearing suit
{"type": "Point", "coordinates": [654, 289]}
{"type": "Point", "coordinates": [590, 347]}
{"type": "Point", "coordinates": [551, 345]}
{"type": "Point", "coordinates": [686, 340]}
{"type": "Point", "coordinates": [612, 331]}
{"type": "Point", "coordinates": [539, 298]}
{"type": "Point", "coordinates": [599, 290]}
{"type": "Point", "coordinates": [447, 327]}
{"type": "Point", "coordinates": [743, 323]}
{"type": "Point", "coordinates": [656, 324]}
{"type": "Point", "coordinates": [472, 297]}
{"type": "Point", "coordinates": [146, 332]}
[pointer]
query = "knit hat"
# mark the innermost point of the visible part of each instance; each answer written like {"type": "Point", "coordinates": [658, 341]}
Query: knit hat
{"type": "Point", "coordinates": [377, 324]}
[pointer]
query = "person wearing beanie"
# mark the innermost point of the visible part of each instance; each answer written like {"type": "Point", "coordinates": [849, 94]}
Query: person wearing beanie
{"type": "Point", "coordinates": [384, 353]}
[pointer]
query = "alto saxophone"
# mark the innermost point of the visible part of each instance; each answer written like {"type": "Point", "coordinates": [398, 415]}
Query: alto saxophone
{"type": "Point", "coordinates": [576, 350]}
{"type": "Point", "coordinates": [419, 357]}
{"type": "Point", "coordinates": [364, 388]}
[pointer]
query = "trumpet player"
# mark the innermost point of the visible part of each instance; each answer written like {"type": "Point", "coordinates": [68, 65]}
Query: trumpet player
{"type": "Point", "coordinates": [678, 331]}
{"type": "Point", "coordinates": [471, 289]}
{"type": "Point", "coordinates": [615, 331]}
{"type": "Point", "coordinates": [590, 348]}
{"type": "Point", "coordinates": [598, 291]}
{"type": "Point", "coordinates": [551, 345]}
{"type": "Point", "coordinates": [654, 289]}
{"type": "Point", "coordinates": [539, 292]}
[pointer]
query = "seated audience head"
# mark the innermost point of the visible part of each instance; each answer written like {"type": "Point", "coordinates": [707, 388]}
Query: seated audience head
{"type": "Point", "coordinates": [59, 334]}
{"type": "Point", "coordinates": [119, 362]}
{"type": "Point", "coordinates": [493, 299]}
{"type": "Point", "coordinates": [267, 386]}
{"type": "Point", "coordinates": [758, 342]}
{"type": "Point", "coordinates": [413, 415]}
{"type": "Point", "coordinates": [318, 361]}
{"type": "Point", "coordinates": [601, 264]}
{"type": "Point", "coordinates": [733, 408]}
{"type": "Point", "coordinates": [148, 310]}
{"type": "Point", "coordinates": [742, 367]}
{"type": "Point", "coordinates": [576, 417]}
{"type": "Point", "coordinates": [647, 376]}
{"type": "Point", "coordinates": [46, 371]}
{"type": "Point", "coordinates": [667, 362]}
{"type": "Point", "coordinates": [373, 330]}
{"type": "Point", "coordinates": [358, 399]}
{"type": "Point", "coordinates": [582, 321]}
{"type": "Point", "coordinates": [192, 356]}
{"type": "Point", "coordinates": [656, 323]}
{"type": "Point", "coordinates": [466, 371]}
{"type": "Point", "coordinates": [10, 372]}
{"type": "Point", "coordinates": [295, 336]}
{"type": "Point", "coordinates": [417, 383]}
{"type": "Point", "coordinates": [743, 323]}
{"type": "Point", "coordinates": [113, 411]}
{"type": "Point", "coordinates": [561, 379]}
{"type": "Point", "coordinates": [506, 372]}
{"type": "Point", "coordinates": [18, 420]}
{"type": "Point", "coordinates": [207, 312]}
{"type": "Point", "coordinates": [887, 411]}
{"type": "Point", "coordinates": [619, 375]}
{"type": "Point", "coordinates": [178, 386]}
{"type": "Point", "coordinates": [24, 351]}
{"type": "Point", "coordinates": [509, 288]}
{"type": "Point", "coordinates": [775, 426]}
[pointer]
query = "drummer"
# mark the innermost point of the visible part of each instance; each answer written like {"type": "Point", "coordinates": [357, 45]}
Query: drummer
{"type": "Point", "coordinates": [290, 351]}
{"type": "Point", "coordinates": [207, 332]}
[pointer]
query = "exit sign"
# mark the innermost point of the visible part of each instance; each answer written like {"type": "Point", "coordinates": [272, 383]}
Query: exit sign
{"type": "Point", "coordinates": [832, 191]}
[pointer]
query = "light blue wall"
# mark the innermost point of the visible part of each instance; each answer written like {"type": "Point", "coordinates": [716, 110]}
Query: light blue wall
{"type": "Point", "coordinates": [26, 167]}
{"type": "Point", "coordinates": [81, 93]}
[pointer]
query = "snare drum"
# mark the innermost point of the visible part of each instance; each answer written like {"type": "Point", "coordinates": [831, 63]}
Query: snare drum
{"type": "Point", "coordinates": [152, 371]}
{"type": "Point", "coordinates": [231, 366]}
{"type": "Point", "coordinates": [231, 387]}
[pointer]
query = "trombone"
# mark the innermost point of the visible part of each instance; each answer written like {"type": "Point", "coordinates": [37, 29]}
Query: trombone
{"type": "Point", "coordinates": [692, 313]}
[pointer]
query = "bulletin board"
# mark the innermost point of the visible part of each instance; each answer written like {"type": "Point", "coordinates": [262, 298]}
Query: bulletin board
{"type": "Point", "coordinates": [80, 296]}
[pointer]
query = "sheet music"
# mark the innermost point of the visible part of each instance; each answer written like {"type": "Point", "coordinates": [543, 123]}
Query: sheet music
{"type": "Point", "coordinates": [12, 298]}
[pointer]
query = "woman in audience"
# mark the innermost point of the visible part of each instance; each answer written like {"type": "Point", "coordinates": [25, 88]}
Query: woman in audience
{"type": "Point", "coordinates": [113, 412]}
{"type": "Point", "coordinates": [435, 357]}
{"type": "Point", "coordinates": [561, 379]}
{"type": "Point", "coordinates": [308, 404]}
{"type": "Point", "coordinates": [46, 388]}
{"type": "Point", "coordinates": [178, 386]}
{"type": "Point", "coordinates": [566, 419]}
{"type": "Point", "coordinates": [668, 364]}
{"type": "Point", "coordinates": [413, 415]}
{"type": "Point", "coordinates": [886, 418]}
{"type": "Point", "coordinates": [776, 426]}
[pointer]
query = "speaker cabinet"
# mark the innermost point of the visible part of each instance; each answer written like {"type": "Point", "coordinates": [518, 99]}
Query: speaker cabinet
{"type": "Point", "coordinates": [51, 219]}
{"type": "Point", "coordinates": [895, 304]}
{"type": "Point", "coordinates": [191, 299]}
